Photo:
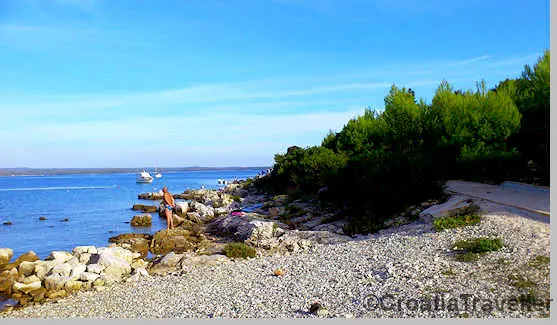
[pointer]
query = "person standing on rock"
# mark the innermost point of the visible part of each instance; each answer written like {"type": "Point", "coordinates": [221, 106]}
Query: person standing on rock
{"type": "Point", "coordinates": [168, 207]}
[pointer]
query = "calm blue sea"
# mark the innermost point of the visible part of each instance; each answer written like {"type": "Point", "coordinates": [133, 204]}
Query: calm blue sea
{"type": "Point", "coordinates": [97, 206]}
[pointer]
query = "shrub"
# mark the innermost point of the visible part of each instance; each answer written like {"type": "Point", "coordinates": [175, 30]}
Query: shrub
{"type": "Point", "coordinates": [472, 249]}
{"type": "Point", "coordinates": [381, 163]}
{"type": "Point", "coordinates": [539, 261]}
{"type": "Point", "coordinates": [306, 170]}
{"type": "Point", "coordinates": [531, 94]}
{"type": "Point", "coordinates": [239, 250]}
{"type": "Point", "coordinates": [440, 224]}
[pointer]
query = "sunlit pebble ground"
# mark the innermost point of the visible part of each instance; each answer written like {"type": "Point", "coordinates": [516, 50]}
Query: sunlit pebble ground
{"type": "Point", "coordinates": [407, 262]}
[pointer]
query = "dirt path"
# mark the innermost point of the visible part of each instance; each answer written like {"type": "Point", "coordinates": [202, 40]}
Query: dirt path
{"type": "Point", "coordinates": [521, 196]}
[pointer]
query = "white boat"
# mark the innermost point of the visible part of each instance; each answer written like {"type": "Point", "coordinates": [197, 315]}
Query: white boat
{"type": "Point", "coordinates": [144, 177]}
{"type": "Point", "coordinates": [158, 175]}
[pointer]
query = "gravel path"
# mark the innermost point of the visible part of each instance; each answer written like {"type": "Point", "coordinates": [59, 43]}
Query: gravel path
{"type": "Point", "coordinates": [410, 262]}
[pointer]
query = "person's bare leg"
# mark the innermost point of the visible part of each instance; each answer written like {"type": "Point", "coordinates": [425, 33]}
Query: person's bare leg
{"type": "Point", "coordinates": [171, 219]}
{"type": "Point", "coordinates": [168, 218]}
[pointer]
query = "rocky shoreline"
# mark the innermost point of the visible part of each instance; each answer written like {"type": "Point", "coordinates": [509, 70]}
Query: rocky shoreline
{"type": "Point", "coordinates": [347, 275]}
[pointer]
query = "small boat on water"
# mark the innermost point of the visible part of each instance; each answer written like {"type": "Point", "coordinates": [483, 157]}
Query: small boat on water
{"type": "Point", "coordinates": [158, 174]}
{"type": "Point", "coordinates": [144, 177]}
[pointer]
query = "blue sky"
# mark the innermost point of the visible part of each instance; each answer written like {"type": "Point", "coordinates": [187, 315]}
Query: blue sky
{"type": "Point", "coordinates": [99, 83]}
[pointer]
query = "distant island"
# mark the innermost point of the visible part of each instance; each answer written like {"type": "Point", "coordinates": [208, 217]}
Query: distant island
{"type": "Point", "coordinates": [20, 171]}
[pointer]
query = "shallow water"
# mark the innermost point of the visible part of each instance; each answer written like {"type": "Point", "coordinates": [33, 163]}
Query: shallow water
{"type": "Point", "coordinates": [98, 206]}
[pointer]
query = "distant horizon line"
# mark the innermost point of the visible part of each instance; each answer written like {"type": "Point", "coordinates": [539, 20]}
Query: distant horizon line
{"type": "Point", "coordinates": [146, 167]}
{"type": "Point", "coordinates": [22, 171]}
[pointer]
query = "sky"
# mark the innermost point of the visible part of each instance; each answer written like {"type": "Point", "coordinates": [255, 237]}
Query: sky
{"type": "Point", "coordinates": [125, 83]}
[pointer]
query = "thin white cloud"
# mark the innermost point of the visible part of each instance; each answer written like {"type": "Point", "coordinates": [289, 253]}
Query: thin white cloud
{"type": "Point", "coordinates": [197, 138]}
{"type": "Point", "coordinates": [203, 129]}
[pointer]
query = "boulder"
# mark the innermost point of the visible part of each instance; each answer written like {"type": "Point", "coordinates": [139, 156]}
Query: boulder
{"type": "Point", "coordinates": [29, 279]}
{"type": "Point", "coordinates": [456, 204]}
{"type": "Point", "coordinates": [7, 279]}
{"type": "Point", "coordinates": [30, 256]}
{"type": "Point", "coordinates": [274, 212]}
{"type": "Point", "coordinates": [145, 208]}
{"type": "Point", "coordinates": [142, 220]}
{"type": "Point", "coordinates": [95, 268]}
{"type": "Point", "coordinates": [26, 268]}
{"type": "Point", "coordinates": [60, 256]}
{"type": "Point", "coordinates": [175, 240]}
{"type": "Point", "coordinates": [177, 220]}
{"type": "Point", "coordinates": [84, 258]}
{"type": "Point", "coordinates": [55, 282]}
{"type": "Point", "coordinates": [84, 249]}
{"type": "Point", "coordinates": [73, 261]}
{"type": "Point", "coordinates": [259, 232]}
{"type": "Point", "coordinates": [138, 243]}
{"type": "Point", "coordinates": [245, 228]}
{"type": "Point", "coordinates": [336, 227]}
{"type": "Point", "coordinates": [138, 274]}
{"type": "Point", "coordinates": [181, 209]}
{"type": "Point", "coordinates": [38, 294]}
{"type": "Point", "coordinates": [115, 267]}
{"type": "Point", "coordinates": [26, 287]}
{"type": "Point", "coordinates": [220, 211]}
{"type": "Point", "coordinates": [194, 217]}
{"type": "Point", "coordinates": [42, 268]}
{"type": "Point", "coordinates": [119, 252]}
{"type": "Point", "coordinates": [94, 259]}
{"type": "Point", "coordinates": [162, 210]}
{"type": "Point", "coordinates": [294, 244]}
{"type": "Point", "coordinates": [5, 256]}
{"type": "Point", "coordinates": [151, 196]}
{"type": "Point", "coordinates": [110, 278]}
{"type": "Point", "coordinates": [191, 260]}
{"type": "Point", "coordinates": [61, 269]}
{"type": "Point", "coordinates": [205, 213]}
{"type": "Point", "coordinates": [142, 271]}
{"type": "Point", "coordinates": [88, 276]}
{"type": "Point", "coordinates": [166, 264]}
{"type": "Point", "coordinates": [98, 282]}
{"type": "Point", "coordinates": [55, 294]}
{"type": "Point", "coordinates": [73, 285]}
{"type": "Point", "coordinates": [139, 263]}
{"type": "Point", "coordinates": [77, 271]}
{"type": "Point", "coordinates": [212, 248]}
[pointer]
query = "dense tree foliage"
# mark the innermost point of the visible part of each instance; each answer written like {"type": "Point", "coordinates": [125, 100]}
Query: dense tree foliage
{"type": "Point", "coordinates": [531, 92]}
{"type": "Point", "coordinates": [380, 163]}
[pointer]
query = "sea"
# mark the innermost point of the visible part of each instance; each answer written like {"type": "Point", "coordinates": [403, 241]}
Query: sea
{"type": "Point", "coordinates": [86, 209]}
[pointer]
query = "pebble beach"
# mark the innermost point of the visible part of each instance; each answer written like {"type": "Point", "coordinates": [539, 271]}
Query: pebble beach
{"type": "Point", "coordinates": [404, 271]}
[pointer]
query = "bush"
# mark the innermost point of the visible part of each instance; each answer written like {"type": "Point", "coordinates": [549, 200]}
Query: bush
{"type": "Point", "coordinates": [472, 249]}
{"type": "Point", "coordinates": [485, 166]}
{"type": "Point", "coordinates": [239, 250]}
{"type": "Point", "coordinates": [381, 163]}
{"type": "Point", "coordinates": [531, 94]}
{"type": "Point", "coordinates": [305, 170]}
{"type": "Point", "coordinates": [440, 224]}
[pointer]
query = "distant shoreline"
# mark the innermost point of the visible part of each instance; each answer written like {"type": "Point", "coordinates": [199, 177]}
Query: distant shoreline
{"type": "Point", "coordinates": [70, 171]}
